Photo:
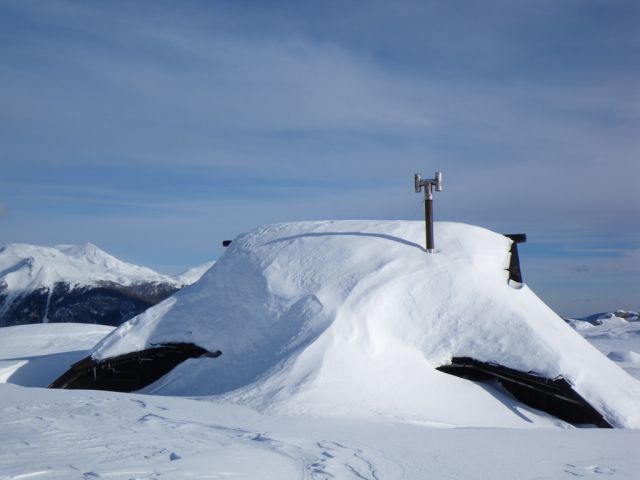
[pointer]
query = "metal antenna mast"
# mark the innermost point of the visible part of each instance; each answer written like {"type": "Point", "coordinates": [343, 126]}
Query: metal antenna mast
{"type": "Point", "coordinates": [428, 184]}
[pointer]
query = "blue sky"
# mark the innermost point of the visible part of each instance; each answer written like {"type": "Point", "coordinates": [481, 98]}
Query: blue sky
{"type": "Point", "coordinates": [157, 129]}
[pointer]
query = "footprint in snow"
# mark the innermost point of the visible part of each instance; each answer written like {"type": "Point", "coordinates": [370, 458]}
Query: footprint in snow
{"type": "Point", "coordinates": [256, 437]}
{"type": "Point", "coordinates": [139, 402]}
{"type": "Point", "coordinates": [588, 471]}
{"type": "Point", "coordinates": [602, 469]}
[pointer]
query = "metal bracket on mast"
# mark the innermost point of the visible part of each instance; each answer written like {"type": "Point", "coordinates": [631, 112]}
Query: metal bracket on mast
{"type": "Point", "coordinates": [428, 185]}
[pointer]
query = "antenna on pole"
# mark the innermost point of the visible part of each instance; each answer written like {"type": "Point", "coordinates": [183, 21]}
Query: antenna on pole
{"type": "Point", "coordinates": [428, 184]}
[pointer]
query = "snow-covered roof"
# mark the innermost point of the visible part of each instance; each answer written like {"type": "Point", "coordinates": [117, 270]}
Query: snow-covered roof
{"type": "Point", "coordinates": [354, 316]}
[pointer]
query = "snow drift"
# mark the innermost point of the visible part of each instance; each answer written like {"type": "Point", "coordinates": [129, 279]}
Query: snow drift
{"type": "Point", "coordinates": [353, 317]}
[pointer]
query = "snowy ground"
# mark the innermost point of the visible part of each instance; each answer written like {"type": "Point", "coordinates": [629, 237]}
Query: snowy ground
{"type": "Point", "coordinates": [66, 434]}
{"type": "Point", "coordinates": [86, 435]}
{"type": "Point", "coordinates": [617, 338]}
{"type": "Point", "coordinates": [35, 355]}
{"type": "Point", "coordinates": [330, 332]}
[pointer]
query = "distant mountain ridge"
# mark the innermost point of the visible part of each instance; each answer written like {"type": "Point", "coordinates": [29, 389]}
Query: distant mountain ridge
{"type": "Point", "coordinates": [192, 275]}
{"type": "Point", "coordinates": [597, 318]}
{"type": "Point", "coordinates": [78, 283]}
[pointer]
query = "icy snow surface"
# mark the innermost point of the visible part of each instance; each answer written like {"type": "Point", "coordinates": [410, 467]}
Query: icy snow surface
{"type": "Point", "coordinates": [92, 435]}
{"type": "Point", "coordinates": [35, 355]}
{"type": "Point", "coordinates": [616, 337]}
{"type": "Point", "coordinates": [352, 317]}
{"type": "Point", "coordinates": [84, 435]}
{"type": "Point", "coordinates": [28, 267]}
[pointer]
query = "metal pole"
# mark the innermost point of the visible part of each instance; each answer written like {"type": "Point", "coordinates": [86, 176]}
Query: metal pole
{"type": "Point", "coordinates": [428, 185]}
{"type": "Point", "coordinates": [428, 217]}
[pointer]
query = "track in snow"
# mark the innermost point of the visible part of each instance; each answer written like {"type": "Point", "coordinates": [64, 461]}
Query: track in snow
{"type": "Point", "coordinates": [121, 438]}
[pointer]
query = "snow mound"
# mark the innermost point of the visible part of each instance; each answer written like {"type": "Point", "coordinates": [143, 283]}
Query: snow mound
{"type": "Point", "coordinates": [353, 317]}
{"type": "Point", "coordinates": [627, 356]}
{"type": "Point", "coordinates": [28, 267]}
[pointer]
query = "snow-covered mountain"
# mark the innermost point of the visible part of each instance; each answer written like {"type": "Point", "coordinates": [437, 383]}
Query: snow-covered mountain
{"type": "Point", "coordinates": [192, 275]}
{"type": "Point", "coordinates": [599, 318]}
{"type": "Point", "coordinates": [355, 318]}
{"type": "Point", "coordinates": [69, 283]}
